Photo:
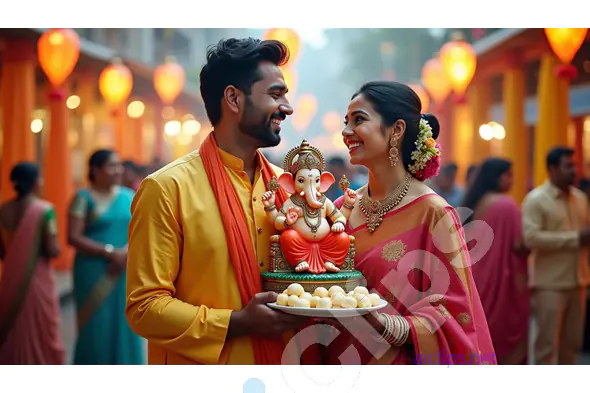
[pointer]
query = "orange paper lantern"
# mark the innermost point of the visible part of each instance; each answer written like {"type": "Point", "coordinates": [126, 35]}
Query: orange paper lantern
{"type": "Point", "coordinates": [434, 79]}
{"type": "Point", "coordinates": [288, 37]}
{"type": "Point", "coordinates": [459, 62]}
{"type": "Point", "coordinates": [58, 51]}
{"type": "Point", "coordinates": [566, 42]}
{"type": "Point", "coordinates": [169, 80]}
{"type": "Point", "coordinates": [115, 83]}
{"type": "Point", "coordinates": [423, 95]}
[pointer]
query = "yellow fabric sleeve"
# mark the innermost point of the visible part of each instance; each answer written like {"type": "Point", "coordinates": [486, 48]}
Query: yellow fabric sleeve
{"type": "Point", "coordinates": [155, 243]}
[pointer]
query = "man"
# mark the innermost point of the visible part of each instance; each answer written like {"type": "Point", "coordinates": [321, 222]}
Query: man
{"type": "Point", "coordinates": [199, 236]}
{"type": "Point", "coordinates": [446, 187]}
{"type": "Point", "coordinates": [555, 229]}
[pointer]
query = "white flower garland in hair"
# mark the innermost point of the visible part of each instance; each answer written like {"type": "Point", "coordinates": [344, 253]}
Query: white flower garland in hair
{"type": "Point", "coordinates": [426, 148]}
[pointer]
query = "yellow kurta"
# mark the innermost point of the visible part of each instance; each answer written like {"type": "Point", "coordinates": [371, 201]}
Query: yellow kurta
{"type": "Point", "coordinates": [181, 286]}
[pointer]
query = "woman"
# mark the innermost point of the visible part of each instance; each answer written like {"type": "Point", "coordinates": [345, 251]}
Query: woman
{"type": "Point", "coordinates": [410, 245]}
{"type": "Point", "coordinates": [29, 309]}
{"type": "Point", "coordinates": [500, 272]}
{"type": "Point", "coordinates": [98, 221]}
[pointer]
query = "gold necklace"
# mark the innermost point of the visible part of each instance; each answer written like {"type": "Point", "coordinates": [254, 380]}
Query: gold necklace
{"type": "Point", "coordinates": [309, 212]}
{"type": "Point", "coordinates": [375, 210]}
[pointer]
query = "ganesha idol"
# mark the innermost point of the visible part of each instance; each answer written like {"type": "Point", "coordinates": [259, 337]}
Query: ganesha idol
{"type": "Point", "coordinates": [312, 242]}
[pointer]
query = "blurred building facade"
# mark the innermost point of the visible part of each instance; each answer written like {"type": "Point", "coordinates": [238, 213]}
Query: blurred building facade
{"type": "Point", "coordinates": [28, 99]}
{"type": "Point", "coordinates": [518, 85]}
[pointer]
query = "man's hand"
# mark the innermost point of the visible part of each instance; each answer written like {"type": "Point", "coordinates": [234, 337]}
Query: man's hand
{"type": "Point", "coordinates": [260, 320]}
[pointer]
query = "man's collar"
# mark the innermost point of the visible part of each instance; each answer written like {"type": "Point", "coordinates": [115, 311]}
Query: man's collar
{"type": "Point", "coordinates": [235, 163]}
{"type": "Point", "coordinates": [554, 191]}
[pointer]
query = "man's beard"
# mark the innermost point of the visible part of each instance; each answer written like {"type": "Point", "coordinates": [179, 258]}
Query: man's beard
{"type": "Point", "coordinates": [257, 125]}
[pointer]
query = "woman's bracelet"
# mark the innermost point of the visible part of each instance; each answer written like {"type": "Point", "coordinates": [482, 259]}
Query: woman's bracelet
{"type": "Point", "coordinates": [396, 330]}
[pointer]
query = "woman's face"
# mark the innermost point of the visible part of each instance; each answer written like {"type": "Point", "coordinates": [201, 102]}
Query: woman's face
{"type": "Point", "coordinates": [110, 173]}
{"type": "Point", "coordinates": [364, 135]}
{"type": "Point", "coordinates": [506, 180]}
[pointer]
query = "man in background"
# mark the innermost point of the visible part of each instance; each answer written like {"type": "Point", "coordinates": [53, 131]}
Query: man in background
{"type": "Point", "coordinates": [555, 229]}
{"type": "Point", "coordinates": [446, 185]}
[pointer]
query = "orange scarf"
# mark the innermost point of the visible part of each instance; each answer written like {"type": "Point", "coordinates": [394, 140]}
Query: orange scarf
{"type": "Point", "coordinates": [241, 251]}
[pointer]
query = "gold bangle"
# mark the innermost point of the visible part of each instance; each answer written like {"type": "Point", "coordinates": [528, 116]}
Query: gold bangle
{"type": "Point", "coordinates": [270, 208]}
{"type": "Point", "coordinates": [348, 206]}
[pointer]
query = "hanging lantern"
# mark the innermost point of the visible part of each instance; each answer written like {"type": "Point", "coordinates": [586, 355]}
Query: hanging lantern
{"type": "Point", "coordinates": [58, 51]}
{"type": "Point", "coordinates": [169, 80]}
{"type": "Point", "coordinates": [423, 95]}
{"type": "Point", "coordinates": [288, 37]}
{"type": "Point", "coordinates": [115, 83]}
{"type": "Point", "coordinates": [435, 80]}
{"type": "Point", "coordinates": [565, 43]}
{"type": "Point", "coordinates": [459, 62]}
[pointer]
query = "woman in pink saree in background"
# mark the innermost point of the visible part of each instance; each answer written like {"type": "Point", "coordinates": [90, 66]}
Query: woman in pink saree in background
{"type": "Point", "coordinates": [500, 274]}
{"type": "Point", "coordinates": [410, 245]}
{"type": "Point", "coordinates": [29, 310]}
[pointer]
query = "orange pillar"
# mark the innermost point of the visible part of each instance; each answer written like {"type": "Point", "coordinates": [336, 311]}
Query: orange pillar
{"type": "Point", "coordinates": [87, 91]}
{"type": "Point", "coordinates": [136, 138]}
{"type": "Point", "coordinates": [59, 185]}
{"type": "Point", "coordinates": [18, 100]}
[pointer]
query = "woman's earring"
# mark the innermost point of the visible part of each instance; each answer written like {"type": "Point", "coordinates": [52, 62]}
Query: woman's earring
{"type": "Point", "coordinates": [393, 150]}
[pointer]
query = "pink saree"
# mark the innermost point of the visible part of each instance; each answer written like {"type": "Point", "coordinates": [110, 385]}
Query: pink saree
{"type": "Point", "coordinates": [417, 260]}
{"type": "Point", "coordinates": [501, 278]}
{"type": "Point", "coordinates": [29, 310]}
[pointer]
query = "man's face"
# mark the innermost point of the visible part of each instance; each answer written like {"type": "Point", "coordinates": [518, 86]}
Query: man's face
{"type": "Point", "coordinates": [565, 173]}
{"type": "Point", "coordinates": [266, 106]}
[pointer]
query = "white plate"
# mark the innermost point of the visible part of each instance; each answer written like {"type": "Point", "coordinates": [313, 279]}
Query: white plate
{"type": "Point", "coordinates": [327, 312]}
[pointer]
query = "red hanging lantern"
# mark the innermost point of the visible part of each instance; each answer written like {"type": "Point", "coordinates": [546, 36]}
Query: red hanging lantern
{"type": "Point", "coordinates": [169, 80]}
{"type": "Point", "coordinates": [459, 62]}
{"type": "Point", "coordinates": [115, 83]}
{"type": "Point", "coordinates": [288, 37]}
{"type": "Point", "coordinates": [435, 80]}
{"type": "Point", "coordinates": [58, 51]}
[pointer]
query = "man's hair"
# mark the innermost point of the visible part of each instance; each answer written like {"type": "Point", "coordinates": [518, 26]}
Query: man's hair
{"type": "Point", "coordinates": [555, 155]}
{"type": "Point", "coordinates": [235, 62]}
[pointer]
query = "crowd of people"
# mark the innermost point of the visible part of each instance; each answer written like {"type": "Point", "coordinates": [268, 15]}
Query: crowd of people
{"type": "Point", "coordinates": [174, 254]}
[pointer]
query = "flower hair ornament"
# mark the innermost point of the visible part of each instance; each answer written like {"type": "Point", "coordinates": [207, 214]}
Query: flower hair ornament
{"type": "Point", "coordinates": [426, 156]}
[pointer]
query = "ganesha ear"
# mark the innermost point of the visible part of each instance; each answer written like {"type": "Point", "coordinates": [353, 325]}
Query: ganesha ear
{"type": "Point", "coordinates": [286, 181]}
{"type": "Point", "coordinates": [326, 180]}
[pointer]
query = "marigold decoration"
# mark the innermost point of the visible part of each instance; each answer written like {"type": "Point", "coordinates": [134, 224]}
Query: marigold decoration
{"type": "Point", "coordinates": [58, 51]}
{"type": "Point", "coordinates": [426, 157]}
